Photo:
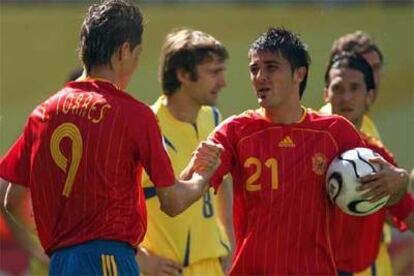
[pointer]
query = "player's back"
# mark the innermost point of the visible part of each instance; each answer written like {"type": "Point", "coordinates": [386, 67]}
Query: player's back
{"type": "Point", "coordinates": [83, 165]}
{"type": "Point", "coordinates": [281, 209]}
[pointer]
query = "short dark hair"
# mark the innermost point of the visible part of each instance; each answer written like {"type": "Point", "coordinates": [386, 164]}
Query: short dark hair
{"type": "Point", "coordinates": [287, 44]}
{"type": "Point", "coordinates": [105, 28]}
{"type": "Point", "coordinates": [358, 42]}
{"type": "Point", "coordinates": [354, 61]}
{"type": "Point", "coordinates": [185, 49]}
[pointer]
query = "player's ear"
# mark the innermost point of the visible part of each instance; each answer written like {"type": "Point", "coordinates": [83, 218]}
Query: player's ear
{"type": "Point", "coordinates": [326, 97]}
{"type": "Point", "coordinates": [124, 51]}
{"type": "Point", "coordinates": [182, 75]}
{"type": "Point", "coordinates": [370, 96]}
{"type": "Point", "coordinates": [299, 74]}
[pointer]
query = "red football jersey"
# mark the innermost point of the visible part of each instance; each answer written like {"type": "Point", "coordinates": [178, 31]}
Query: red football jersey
{"type": "Point", "coordinates": [80, 154]}
{"type": "Point", "coordinates": [357, 239]}
{"type": "Point", "coordinates": [281, 207]}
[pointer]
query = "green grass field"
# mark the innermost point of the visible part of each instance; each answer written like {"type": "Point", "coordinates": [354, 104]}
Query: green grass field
{"type": "Point", "coordinates": [38, 49]}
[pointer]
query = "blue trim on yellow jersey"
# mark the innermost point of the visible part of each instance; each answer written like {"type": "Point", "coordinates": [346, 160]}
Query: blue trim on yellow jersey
{"type": "Point", "coordinates": [168, 143]}
{"type": "Point", "coordinates": [216, 115]}
{"type": "Point", "coordinates": [225, 246]}
{"type": "Point", "coordinates": [196, 130]}
{"type": "Point", "coordinates": [343, 273]}
{"type": "Point", "coordinates": [374, 269]}
{"type": "Point", "coordinates": [223, 243]}
{"type": "Point", "coordinates": [149, 192]}
{"type": "Point", "coordinates": [186, 261]}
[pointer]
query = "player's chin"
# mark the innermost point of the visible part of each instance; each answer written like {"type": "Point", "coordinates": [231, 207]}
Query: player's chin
{"type": "Point", "coordinates": [212, 100]}
{"type": "Point", "coordinates": [262, 102]}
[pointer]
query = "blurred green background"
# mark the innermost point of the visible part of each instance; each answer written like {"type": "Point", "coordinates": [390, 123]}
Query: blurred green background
{"type": "Point", "coordinates": [38, 49]}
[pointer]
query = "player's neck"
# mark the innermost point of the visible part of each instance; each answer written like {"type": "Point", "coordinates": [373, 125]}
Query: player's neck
{"type": "Point", "coordinates": [182, 107]}
{"type": "Point", "coordinates": [284, 114]}
{"type": "Point", "coordinates": [105, 73]}
{"type": "Point", "coordinates": [358, 123]}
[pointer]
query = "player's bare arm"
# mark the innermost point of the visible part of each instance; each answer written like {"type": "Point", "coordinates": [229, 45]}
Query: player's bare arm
{"type": "Point", "coordinates": [152, 264]}
{"type": "Point", "coordinates": [175, 199]}
{"type": "Point", "coordinates": [225, 216]}
{"type": "Point", "coordinates": [12, 201]}
{"type": "Point", "coordinates": [390, 180]}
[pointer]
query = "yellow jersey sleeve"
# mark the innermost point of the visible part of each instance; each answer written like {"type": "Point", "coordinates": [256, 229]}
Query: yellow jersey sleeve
{"type": "Point", "coordinates": [368, 127]}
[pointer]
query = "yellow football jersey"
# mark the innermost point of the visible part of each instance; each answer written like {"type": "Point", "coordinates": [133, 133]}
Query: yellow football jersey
{"type": "Point", "coordinates": [195, 234]}
{"type": "Point", "coordinates": [368, 126]}
{"type": "Point", "coordinates": [383, 262]}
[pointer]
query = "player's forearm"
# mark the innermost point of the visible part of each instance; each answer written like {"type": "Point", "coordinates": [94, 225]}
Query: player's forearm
{"type": "Point", "coordinates": [225, 209]}
{"type": "Point", "coordinates": [12, 199]}
{"type": "Point", "coordinates": [174, 200]}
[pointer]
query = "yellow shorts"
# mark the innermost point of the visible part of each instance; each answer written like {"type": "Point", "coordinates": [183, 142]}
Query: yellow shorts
{"type": "Point", "coordinates": [382, 266]}
{"type": "Point", "coordinates": [208, 267]}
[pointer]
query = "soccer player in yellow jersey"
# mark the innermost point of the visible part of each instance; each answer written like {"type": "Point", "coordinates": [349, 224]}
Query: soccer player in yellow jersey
{"type": "Point", "coordinates": [361, 43]}
{"type": "Point", "coordinates": [196, 242]}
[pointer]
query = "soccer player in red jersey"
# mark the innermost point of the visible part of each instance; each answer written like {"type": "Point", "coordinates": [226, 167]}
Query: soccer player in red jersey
{"type": "Point", "coordinates": [84, 148]}
{"type": "Point", "coordinates": [278, 155]}
{"type": "Point", "coordinates": [350, 88]}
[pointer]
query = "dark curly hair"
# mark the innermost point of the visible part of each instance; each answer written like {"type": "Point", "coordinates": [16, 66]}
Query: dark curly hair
{"type": "Point", "coordinates": [105, 28]}
{"type": "Point", "coordinates": [287, 44]}
{"type": "Point", "coordinates": [352, 61]}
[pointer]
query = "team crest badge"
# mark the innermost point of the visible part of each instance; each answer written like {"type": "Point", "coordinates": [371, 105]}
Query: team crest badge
{"type": "Point", "coordinates": [319, 163]}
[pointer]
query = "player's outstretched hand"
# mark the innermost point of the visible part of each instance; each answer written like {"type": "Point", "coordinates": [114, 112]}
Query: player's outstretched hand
{"type": "Point", "coordinates": [205, 160]}
{"type": "Point", "coordinates": [390, 180]}
{"type": "Point", "coordinates": [152, 264]}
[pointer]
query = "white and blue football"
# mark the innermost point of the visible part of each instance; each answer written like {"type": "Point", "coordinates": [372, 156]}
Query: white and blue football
{"type": "Point", "coordinates": [342, 181]}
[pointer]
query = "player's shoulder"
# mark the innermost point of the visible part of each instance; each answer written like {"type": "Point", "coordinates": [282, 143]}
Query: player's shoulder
{"type": "Point", "coordinates": [246, 116]}
{"type": "Point", "coordinates": [209, 110]}
{"type": "Point", "coordinates": [371, 140]}
{"type": "Point", "coordinates": [131, 107]}
{"type": "Point", "coordinates": [210, 114]}
{"type": "Point", "coordinates": [318, 116]}
{"type": "Point", "coordinates": [376, 145]}
{"type": "Point", "coordinates": [327, 121]}
{"type": "Point", "coordinates": [42, 111]}
{"type": "Point", "coordinates": [238, 120]}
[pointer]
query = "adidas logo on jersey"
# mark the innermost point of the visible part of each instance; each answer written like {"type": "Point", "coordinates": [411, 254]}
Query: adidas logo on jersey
{"type": "Point", "coordinates": [287, 142]}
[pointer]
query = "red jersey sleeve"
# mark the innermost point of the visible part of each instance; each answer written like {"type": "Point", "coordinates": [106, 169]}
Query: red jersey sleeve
{"type": "Point", "coordinates": [151, 151]}
{"type": "Point", "coordinates": [223, 135]}
{"type": "Point", "coordinates": [378, 147]}
{"type": "Point", "coordinates": [15, 164]}
{"type": "Point", "coordinates": [346, 135]}
{"type": "Point", "coordinates": [400, 211]}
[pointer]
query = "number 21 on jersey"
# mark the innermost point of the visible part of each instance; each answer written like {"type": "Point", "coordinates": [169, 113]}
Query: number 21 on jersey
{"type": "Point", "coordinates": [259, 166]}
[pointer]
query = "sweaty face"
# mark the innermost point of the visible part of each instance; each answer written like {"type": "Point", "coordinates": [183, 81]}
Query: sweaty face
{"type": "Point", "coordinates": [210, 80]}
{"type": "Point", "coordinates": [348, 94]}
{"type": "Point", "coordinates": [272, 79]}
